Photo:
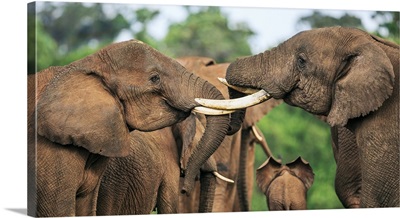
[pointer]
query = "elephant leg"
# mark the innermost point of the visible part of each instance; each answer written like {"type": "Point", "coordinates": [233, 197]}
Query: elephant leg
{"type": "Point", "coordinates": [59, 171]}
{"type": "Point", "coordinates": [86, 197]}
{"type": "Point", "coordinates": [168, 200]}
{"type": "Point", "coordinates": [348, 170]}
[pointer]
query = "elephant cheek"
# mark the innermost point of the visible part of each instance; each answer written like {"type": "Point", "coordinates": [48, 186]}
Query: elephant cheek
{"type": "Point", "coordinates": [316, 104]}
{"type": "Point", "coordinates": [296, 98]}
{"type": "Point", "coordinates": [153, 119]}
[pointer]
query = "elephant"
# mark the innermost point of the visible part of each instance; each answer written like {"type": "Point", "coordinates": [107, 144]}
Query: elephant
{"type": "Point", "coordinates": [235, 156]}
{"type": "Point", "coordinates": [285, 185]}
{"type": "Point", "coordinates": [149, 176]}
{"type": "Point", "coordinates": [349, 76]}
{"type": "Point", "coordinates": [82, 113]}
{"type": "Point", "coordinates": [348, 169]}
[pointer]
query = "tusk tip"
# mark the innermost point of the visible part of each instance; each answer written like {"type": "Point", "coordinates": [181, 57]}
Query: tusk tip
{"type": "Point", "coordinates": [222, 80]}
{"type": "Point", "coordinates": [223, 178]}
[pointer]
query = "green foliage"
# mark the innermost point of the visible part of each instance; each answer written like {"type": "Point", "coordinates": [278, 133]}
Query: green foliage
{"type": "Point", "coordinates": [292, 132]}
{"type": "Point", "coordinates": [73, 25]}
{"type": "Point", "coordinates": [61, 33]}
{"type": "Point", "coordinates": [389, 25]}
{"type": "Point", "coordinates": [46, 48]}
{"type": "Point", "coordinates": [207, 32]}
{"type": "Point", "coordinates": [318, 20]}
{"type": "Point", "coordinates": [144, 16]}
{"type": "Point", "coordinates": [32, 37]}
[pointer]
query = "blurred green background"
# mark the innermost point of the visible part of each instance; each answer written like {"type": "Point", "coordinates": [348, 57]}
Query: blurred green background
{"type": "Point", "coordinates": [59, 33]}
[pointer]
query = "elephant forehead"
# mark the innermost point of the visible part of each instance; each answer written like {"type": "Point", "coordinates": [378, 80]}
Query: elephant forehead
{"type": "Point", "coordinates": [285, 179]}
{"type": "Point", "coordinates": [286, 171]}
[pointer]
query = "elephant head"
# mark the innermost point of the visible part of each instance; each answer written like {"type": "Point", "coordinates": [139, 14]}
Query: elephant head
{"type": "Point", "coordinates": [285, 186]}
{"type": "Point", "coordinates": [96, 101]}
{"type": "Point", "coordinates": [337, 72]}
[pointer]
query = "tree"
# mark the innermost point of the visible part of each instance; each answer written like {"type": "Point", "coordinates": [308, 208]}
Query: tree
{"type": "Point", "coordinates": [389, 26]}
{"type": "Point", "coordinates": [73, 25]}
{"type": "Point", "coordinates": [144, 16]}
{"type": "Point", "coordinates": [207, 32]}
{"type": "Point", "coordinates": [65, 32]}
{"type": "Point", "coordinates": [318, 20]}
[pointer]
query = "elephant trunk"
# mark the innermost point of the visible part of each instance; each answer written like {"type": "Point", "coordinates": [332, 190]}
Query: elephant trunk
{"type": "Point", "coordinates": [215, 132]}
{"type": "Point", "coordinates": [237, 117]}
{"type": "Point", "coordinates": [269, 71]}
{"type": "Point", "coordinates": [236, 74]}
{"type": "Point", "coordinates": [242, 181]}
{"type": "Point", "coordinates": [207, 192]}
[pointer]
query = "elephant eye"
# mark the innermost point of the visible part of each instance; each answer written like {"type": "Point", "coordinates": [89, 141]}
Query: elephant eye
{"type": "Point", "coordinates": [155, 79]}
{"type": "Point", "coordinates": [301, 61]}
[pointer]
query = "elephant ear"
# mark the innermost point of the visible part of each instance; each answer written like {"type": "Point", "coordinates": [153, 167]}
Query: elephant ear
{"type": "Point", "coordinates": [267, 172]}
{"type": "Point", "coordinates": [364, 82]}
{"type": "Point", "coordinates": [76, 108]}
{"type": "Point", "coordinates": [303, 171]}
{"type": "Point", "coordinates": [184, 133]}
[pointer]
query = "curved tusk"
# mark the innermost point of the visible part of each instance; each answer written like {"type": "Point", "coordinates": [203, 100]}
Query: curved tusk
{"type": "Point", "coordinates": [261, 141]}
{"type": "Point", "coordinates": [235, 104]}
{"type": "Point", "coordinates": [211, 111]}
{"type": "Point", "coordinates": [256, 133]}
{"type": "Point", "coordinates": [248, 91]}
{"type": "Point", "coordinates": [223, 178]}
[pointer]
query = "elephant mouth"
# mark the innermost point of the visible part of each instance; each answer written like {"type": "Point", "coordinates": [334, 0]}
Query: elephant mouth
{"type": "Point", "coordinates": [130, 129]}
{"type": "Point", "coordinates": [242, 89]}
{"type": "Point", "coordinates": [254, 97]}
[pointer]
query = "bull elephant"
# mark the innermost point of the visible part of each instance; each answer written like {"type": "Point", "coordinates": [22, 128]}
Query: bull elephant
{"type": "Point", "coordinates": [81, 114]}
{"type": "Point", "coordinates": [352, 78]}
{"type": "Point", "coordinates": [285, 185]}
{"type": "Point", "coordinates": [235, 156]}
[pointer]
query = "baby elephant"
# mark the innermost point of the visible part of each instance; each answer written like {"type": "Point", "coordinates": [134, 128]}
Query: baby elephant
{"type": "Point", "coordinates": [285, 186]}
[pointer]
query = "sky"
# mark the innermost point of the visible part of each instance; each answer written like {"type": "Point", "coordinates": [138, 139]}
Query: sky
{"type": "Point", "coordinates": [271, 24]}
{"type": "Point", "coordinates": [272, 27]}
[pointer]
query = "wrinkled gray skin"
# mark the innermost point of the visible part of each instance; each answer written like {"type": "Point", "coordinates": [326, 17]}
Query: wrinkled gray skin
{"type": "Point", "coordinates": [352, 78]}
{"type": "Point", "coordinates": [146, 179]}
{"type": "Point", "coordinates": [285, 186]}
{"type": "Point", "coordinates": [85, 111]}
{"type": "Point", "coordinates": [348, 172]}
{"type": "Point", "coordinates": [149, 176]}
{"type": "Point", "coordinates": [235, 156]}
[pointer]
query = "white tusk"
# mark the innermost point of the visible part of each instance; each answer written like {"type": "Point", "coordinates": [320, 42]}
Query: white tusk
{"type": "Point", "coordinates": [256, 134]}
{"type": "Point", "coordinates": [223, 178]}
{"type": "Point", "coordinates": [235, 104]}
{"type": "Point", "coordinates": [244, 90]}
{"type": "Point", "coordinates": [211, 111]}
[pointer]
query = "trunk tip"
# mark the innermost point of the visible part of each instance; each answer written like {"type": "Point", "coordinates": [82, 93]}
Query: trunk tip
{"type": "Point", "coordinates": [233, 130]}
{"type": "Point", "coordinates": [184, 191]}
